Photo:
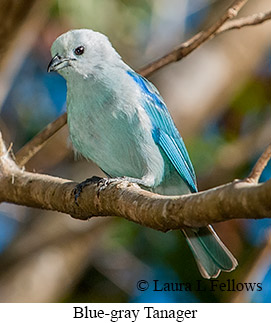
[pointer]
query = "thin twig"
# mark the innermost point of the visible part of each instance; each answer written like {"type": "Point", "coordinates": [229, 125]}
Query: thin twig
{"type": "Point", "coordinates": [252, 20]}
{"type": "Point", "coordinates": [193, 43]}
{"type": "Point", "coordinates": [190, 45]}
{"type": "Point", "coordinates": [257, 170]}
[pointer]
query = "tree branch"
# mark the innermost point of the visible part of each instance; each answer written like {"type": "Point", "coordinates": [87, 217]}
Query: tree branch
{"type": "Point", "coordinates": [257, 170]}
{"type": "Point", "coordinates": [190, 45]}
{"type": "Point", "coordinates": [220, 26]}
{"type": "Point", "coordinates": [240, 199]}
{"type": "Point", "coordinates": [252, 20]}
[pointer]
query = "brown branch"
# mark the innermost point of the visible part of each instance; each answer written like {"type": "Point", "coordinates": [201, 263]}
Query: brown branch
{"type": "Point", "coordinates": [222, 25]}
{"type": "Point", "coordinates": [252, 20]}
{"type": "Point", "coordinates": [240, 199]}
{"type": "Point", "coordinates": [190, 45]}
{"type": "Point", "coordinates": [257, 170]}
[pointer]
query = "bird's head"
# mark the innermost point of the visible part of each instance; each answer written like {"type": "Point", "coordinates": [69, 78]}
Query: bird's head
{"type": "Point", "coordinates": [82, 52]}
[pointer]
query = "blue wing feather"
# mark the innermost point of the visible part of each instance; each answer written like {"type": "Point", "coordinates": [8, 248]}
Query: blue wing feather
{"type": "Point", "coordinates": [165, 133]}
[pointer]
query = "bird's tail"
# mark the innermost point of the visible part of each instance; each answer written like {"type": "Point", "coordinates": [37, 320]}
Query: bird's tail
{"type": "Point", "coordinates": [211, 255]}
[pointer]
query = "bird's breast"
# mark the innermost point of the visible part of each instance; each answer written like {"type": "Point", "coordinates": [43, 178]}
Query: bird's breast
{"type": "Point", "coordinates": [114, 132]}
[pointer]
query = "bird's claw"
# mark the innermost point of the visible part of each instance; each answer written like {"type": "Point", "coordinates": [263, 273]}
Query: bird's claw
{"type": "Point", "coordinates": [101, 183]}
{"type": "Point", "coordinates": [79, 187]}
{"type": "Point", "coordinates": [104, 182]}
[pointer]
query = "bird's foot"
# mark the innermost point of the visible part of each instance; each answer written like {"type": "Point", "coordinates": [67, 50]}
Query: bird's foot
{"type": "Point", "coordinates": [79, 187]}
{"type": "Point", "coordinates": [104, 182]}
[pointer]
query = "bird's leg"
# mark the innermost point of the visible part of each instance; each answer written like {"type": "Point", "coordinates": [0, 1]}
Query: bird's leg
{"type": "Point", "coordinates": [146, 182]}
{"type": "Point", "coordinates": [79, 187]}
{"type": "Point", "coordinates": [138, 181]}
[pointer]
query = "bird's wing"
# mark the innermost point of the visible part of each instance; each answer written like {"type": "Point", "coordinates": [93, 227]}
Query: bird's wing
{"type": "Point", "coordinates": [165, 133]}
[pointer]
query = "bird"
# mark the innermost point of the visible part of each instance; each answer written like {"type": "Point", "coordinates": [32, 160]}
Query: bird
{"type": "Point", "coordinates": [118, 119]}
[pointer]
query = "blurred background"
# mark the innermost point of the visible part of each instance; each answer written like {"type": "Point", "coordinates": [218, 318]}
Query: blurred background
{"type": "Point", "coordinates": [219, 97]}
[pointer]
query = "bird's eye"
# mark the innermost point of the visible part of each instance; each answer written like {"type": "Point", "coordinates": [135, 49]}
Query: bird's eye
{"type": "Point", "coordinates": [79, 50]}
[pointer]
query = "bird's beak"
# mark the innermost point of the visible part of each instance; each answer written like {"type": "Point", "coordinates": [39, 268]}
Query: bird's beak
{"type": "Point", "coordinates": [57, 63]}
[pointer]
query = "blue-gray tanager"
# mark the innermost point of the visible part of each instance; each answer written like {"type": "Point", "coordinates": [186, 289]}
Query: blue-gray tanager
{"type": "Point", "coordinates": [118, 119]}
